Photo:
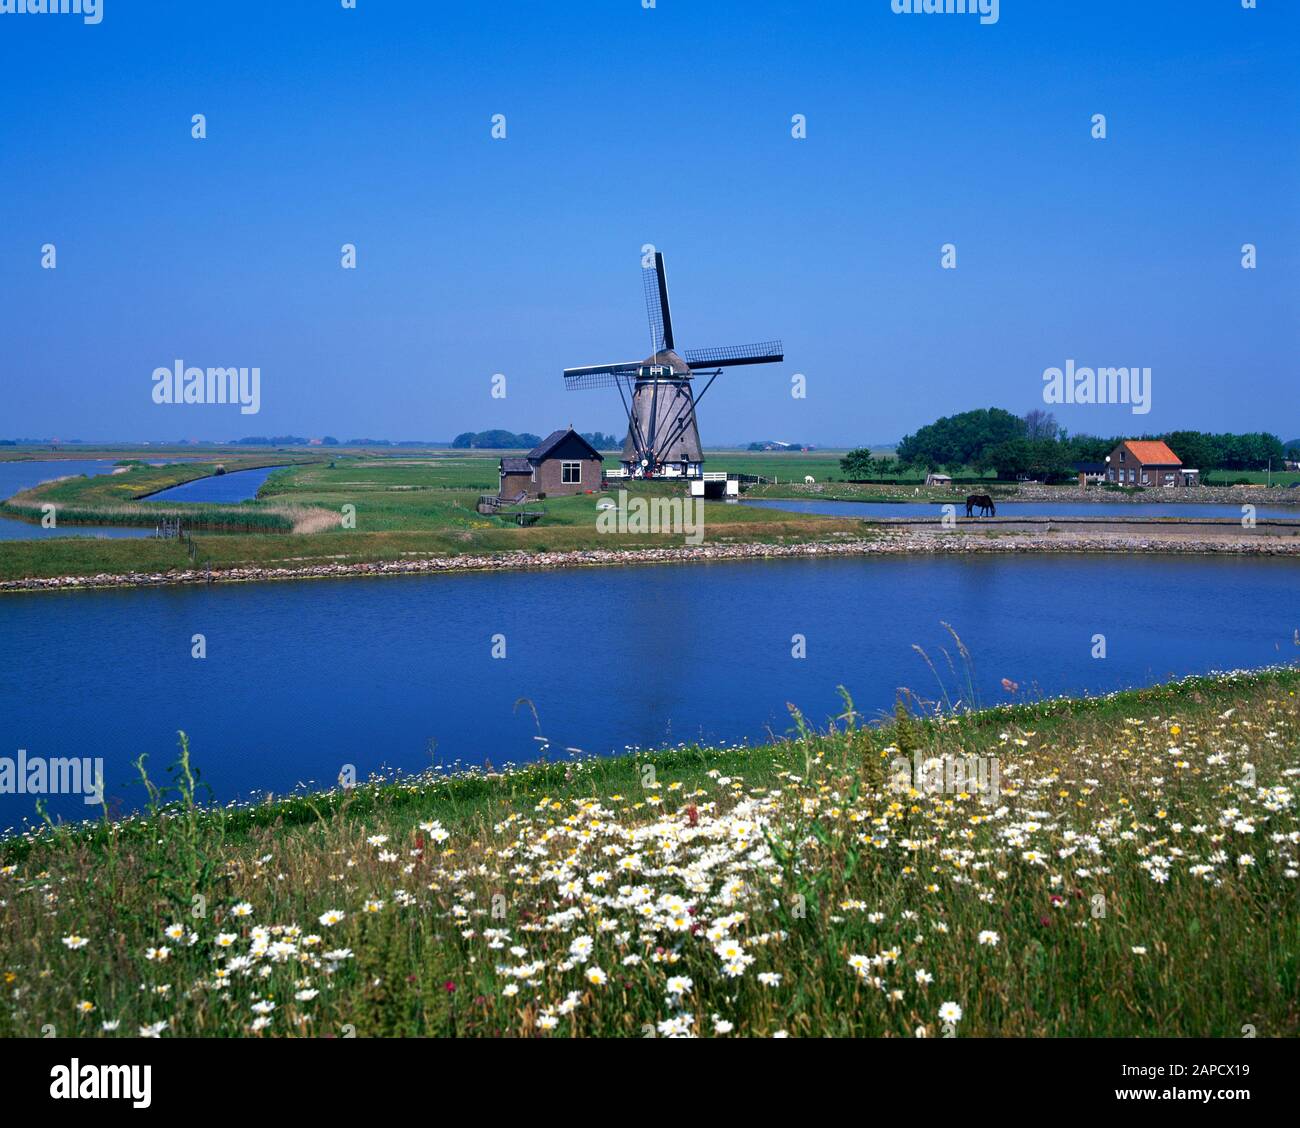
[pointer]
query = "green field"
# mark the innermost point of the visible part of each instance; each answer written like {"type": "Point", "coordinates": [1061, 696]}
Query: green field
{"type": "Point", "coordinates": [1134, 874]}
{"type": "Point", "coordinates": [402, 508]}
{"type": "Point", "coordinates": [400, 505]}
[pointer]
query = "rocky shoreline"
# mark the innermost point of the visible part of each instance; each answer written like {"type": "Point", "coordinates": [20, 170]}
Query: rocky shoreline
{"type": "Point", "coordinates": [886, 544]}
{"type": "Point", "coordinates": [1204, 495]}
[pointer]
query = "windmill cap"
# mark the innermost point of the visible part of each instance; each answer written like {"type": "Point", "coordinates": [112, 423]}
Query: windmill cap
{"type": "Point", "coordinates": [668, 359]}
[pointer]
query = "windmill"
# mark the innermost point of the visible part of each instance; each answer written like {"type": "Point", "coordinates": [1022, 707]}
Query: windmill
{"type": "Point", "coordinates": [658, 393]}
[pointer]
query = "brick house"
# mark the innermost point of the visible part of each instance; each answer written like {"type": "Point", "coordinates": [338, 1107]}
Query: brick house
{"type": "Point", "coordinates": [562, 463]}
{"type": "Point", "coordinates": [1148, 463]}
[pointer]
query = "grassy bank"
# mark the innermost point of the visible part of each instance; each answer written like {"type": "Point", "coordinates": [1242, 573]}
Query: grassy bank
{"type": "Point", "coordinates": [117, 499]}
{"type": "Point", "coordinates": [1135, 875]}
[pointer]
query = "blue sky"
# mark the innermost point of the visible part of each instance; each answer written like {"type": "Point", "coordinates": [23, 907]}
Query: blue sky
{"type": "Point", "coordinates": [628, 126]}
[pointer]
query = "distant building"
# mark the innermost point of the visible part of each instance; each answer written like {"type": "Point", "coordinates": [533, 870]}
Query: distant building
{"type": "Point", "coordinates": [1090, 472]}
{"type": "Point", "coordinates": [933, 479]}
{"type": "Point", "coordinates": [1148, 463]}
{"type": "Point", "coordinates": [562, 463]}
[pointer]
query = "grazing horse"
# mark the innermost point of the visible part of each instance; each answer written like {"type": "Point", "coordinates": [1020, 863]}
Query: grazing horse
{"type": "Point", "coordinates": [985, 504]}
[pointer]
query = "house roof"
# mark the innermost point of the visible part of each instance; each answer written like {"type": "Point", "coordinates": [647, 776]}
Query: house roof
{"type": "Point", "coordinates": [1152, 453]}
{"type": "Point", "coordinates": [516, 466]}
{"type": "Point", "coordinates": [543, 449]}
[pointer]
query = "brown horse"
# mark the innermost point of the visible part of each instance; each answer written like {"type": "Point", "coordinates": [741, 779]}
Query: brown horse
{"type": "Point", "coordinates": [985, 504]}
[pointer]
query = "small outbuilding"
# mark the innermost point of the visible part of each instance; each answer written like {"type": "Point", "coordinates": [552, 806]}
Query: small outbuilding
{"type": "Point", "coordinates": [942, 480]}
{"type": "Point", "coordinates": [562, 463]}
{"type": "Point", "coordinates": [1090, 472]}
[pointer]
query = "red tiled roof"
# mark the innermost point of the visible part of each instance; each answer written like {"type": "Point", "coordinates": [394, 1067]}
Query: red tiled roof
{"type": "Point", "coordinates": [1152, 453]}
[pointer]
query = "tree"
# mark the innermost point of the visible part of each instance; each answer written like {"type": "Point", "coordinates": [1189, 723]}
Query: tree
{"type": "Point", "coordinates": [960, 440]}
{"type": "Point", "coordinates": [1040, 458]}
{"type": "Point", "coordinates": [1040, 424]}
{"type": "Point", "coordinates": [1195, 449]}
{"type": "Point", "coordinates": [858, 463]}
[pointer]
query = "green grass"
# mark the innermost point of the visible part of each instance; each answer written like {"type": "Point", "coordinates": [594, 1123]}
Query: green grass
{"type": "Point", "coordinates": [402, 509]}
{"type": "Point", "coordinates": [1280, 478]}
{"type": "Point", "coordinates": [120, 499]}
{"type": "Point", "coordinates": [407, 505]}
{"type": "Point", "coordinates": [801, 853]}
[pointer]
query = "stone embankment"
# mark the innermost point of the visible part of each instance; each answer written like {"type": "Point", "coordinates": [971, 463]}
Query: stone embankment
{"type": "Point", "coordinates": [1203, 495]}
{"type": "Point", "coordinates": [900, 542]}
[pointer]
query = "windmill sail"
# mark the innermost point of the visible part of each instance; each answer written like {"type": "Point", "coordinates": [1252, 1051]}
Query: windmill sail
{"type": "Point", "coordinates": [654, 281]}
{"type": "Point", "coordinates": [729, 356]}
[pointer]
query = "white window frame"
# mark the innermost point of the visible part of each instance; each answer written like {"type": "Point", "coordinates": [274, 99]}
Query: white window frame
{"type": "Point", "coordinates": [564, 470]}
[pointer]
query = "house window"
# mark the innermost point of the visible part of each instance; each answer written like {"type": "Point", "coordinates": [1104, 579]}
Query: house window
{"type": "Point", "coordinates": [570, 473]}
{"type": "Point", "coordinates": [1146, 478]}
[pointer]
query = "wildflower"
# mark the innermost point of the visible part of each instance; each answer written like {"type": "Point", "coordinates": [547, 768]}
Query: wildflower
{"type": "Point", "coordinates": [243, 909]}
{"type": "Point", "coordinates": [679, 985]}
{"type": "Point", "coordinates": [75, 942]}
{"type": "Point", "coordinates": [770, 978]}
{"type": "Point", "coordinates": [950, 1012]}
{"type": "Point", "coordinates": [677, 1027]}
{"type": "Point", "coordinates": [989, 938]}
{"type": "Point", "coordinates": [923, 977]}
{"type": "Point", "coordinates": [596, 977]}
{"type": "Point", "coordinates": [331, 918]}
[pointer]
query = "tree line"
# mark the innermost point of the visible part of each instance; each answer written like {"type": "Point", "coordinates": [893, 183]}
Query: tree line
{"type": "Point", "coordinates": [508, 440]}
{"type": "Point", "coordinates": [994, 441]}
